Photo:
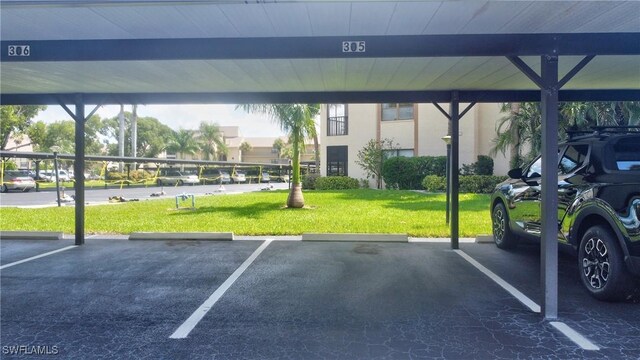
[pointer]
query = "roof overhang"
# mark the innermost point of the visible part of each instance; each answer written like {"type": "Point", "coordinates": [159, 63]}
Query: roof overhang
{"type": "Point", "coordinates": [312, 51]}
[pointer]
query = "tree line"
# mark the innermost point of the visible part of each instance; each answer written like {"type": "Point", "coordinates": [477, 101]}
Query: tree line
{"type": "Point", "coordinates": [101, 135]}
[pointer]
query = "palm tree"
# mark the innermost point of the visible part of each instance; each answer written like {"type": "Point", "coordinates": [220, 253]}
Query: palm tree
{"type": "Point", "coordinates": [523, 124]}
{"type": "Point", "coordinates": [211, 141]}
{"type": "Point", "coordinates": [183, 143]}
{"type": "Point", "coordinates": [520, 126]}
{"type": "Point", "coordinates": [245, 147]}
{"type": "Point", "coordinates": [582, 115]}
{"type": "Point", "coordinates": [297, 120]}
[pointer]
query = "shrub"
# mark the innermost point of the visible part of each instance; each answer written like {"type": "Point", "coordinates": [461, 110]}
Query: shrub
{"type": "Point", "coordinates": [336, 183]}
{"type": "Point", "coordinates": [309, 181]}
{"type": "Point", "coordinates": [430, 165]}
{"type": "Point", "coordinates": [407, 173]}
{"type": "Point", "coordinates": [484, 165]}
{"type": "Point", "coordinates": [398, 173]}
{"type": "Point", "coordinates": [114, 175]}
{"type": "Point", "coordinates": [434, 183]}
{"type": "Point", "coordinates": [477, 184]}
{"type": "Point", "coordinates": [10, 165]}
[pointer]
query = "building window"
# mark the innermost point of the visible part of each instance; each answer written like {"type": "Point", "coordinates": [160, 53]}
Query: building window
{"type": "Point", "coordinates": [337, 120]}
{"type": "Point", "coordinates": [337, 160]}
{"type": "Point", "coordinates": [398, 152]}
{"type": "Point", "coordinates": [401, 111]}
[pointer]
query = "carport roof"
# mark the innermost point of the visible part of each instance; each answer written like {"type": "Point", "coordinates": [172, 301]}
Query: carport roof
{"type": "Point", "coordinates": [234, 51]}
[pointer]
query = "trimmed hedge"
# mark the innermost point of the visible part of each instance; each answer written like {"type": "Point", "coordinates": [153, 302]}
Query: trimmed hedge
{"type": "Point", "coordinates": [406, 173]}
{"type": "Point", "coordinates": [136, 175]}
{"type": "Point", "coordinates": [336, 183]}
{"type": "Point", "coordinates": [434, 183]}
{"type": "Point", "coordinates": [309, 181]}
{"type": "Point", "coordinates": [476, 184]}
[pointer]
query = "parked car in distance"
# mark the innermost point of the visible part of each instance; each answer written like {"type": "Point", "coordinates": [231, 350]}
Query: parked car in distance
{"type": "Point", "coordinates": [215, 176]}
{"type": "Point", "coordinates": [238, 177]}
{"type": "Point", "coordinates": [43, 175]}
{"type": "Point", "coordinates": [598, 208]}
{"type": "Point", "coordinates": [63, 175]}
{"type": "Point", "coordinates": [50, 176]}
{"type": "Point", "coordinates": [265, 177]}
{"type": "Point", "coordinates": [175, 177]}
{"type": "Point", "coordinates": [17, 180]}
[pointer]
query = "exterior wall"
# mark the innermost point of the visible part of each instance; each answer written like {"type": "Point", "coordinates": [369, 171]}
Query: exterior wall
{"type": "Point", "coordinates": [477, 130]}
{"type": "Point", "coordinates": [488, 115]}
{"type": "Point", "coordinates": [20, 144]}
{"type": "Point", "coordinates": [362, 120]}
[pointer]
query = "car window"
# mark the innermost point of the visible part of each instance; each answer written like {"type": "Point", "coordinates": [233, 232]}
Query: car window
{"type": "Point", "coordinates": [573, 158]}
{"type": "Point", "coordinates": [627, 154]}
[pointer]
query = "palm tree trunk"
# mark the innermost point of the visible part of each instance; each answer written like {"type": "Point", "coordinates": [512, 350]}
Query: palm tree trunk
{"type": "Point", "coordinates": [296, 200]}
{"type": "Point", "coordinates": [316, 147]}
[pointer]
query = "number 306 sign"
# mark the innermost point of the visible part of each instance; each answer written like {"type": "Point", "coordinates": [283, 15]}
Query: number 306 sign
{"type": "Point", "coordinates": [19, 50]}
{"type": "Point", "coordinates": [353, 46]}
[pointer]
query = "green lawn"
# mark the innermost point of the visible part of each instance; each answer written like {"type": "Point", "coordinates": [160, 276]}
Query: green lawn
{"type": "Point", "coordinates": [263, 213]}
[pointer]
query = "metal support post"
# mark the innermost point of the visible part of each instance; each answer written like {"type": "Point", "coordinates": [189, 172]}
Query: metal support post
{"type": "Point", "coordinates": [453, 169]}
{"type": "Point", "coordinates": [549, 204]}
{"type": "Point", "coordinates": [448, 177]}
{"type": "Point", "coordinates": [55, 169]}
{"type": "Point", "coordinates": [37, 175]}
{"type": "Point", "coordinates": [78, 168]}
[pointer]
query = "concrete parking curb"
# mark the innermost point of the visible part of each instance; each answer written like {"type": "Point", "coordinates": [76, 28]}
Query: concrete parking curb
{"type": "Point", "coordinates": [31, 235]}
{"type": "Point", "coordinates": [356, 237]}
{"type": "Point", "coordinates": [484, 239]}
{"type": "Point", "coordinates": [224, 236]}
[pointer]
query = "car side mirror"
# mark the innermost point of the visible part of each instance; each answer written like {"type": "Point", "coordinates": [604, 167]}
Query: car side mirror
{"type": "Point", "coordinates": [515, 173]}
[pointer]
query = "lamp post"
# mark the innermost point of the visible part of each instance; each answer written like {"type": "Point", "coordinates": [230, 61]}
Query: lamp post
{"type": "Point", "coordinates": [447, 140]}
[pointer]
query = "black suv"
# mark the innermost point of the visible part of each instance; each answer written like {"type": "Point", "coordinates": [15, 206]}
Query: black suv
{"type": "Point", "coordinates": [598, 208]}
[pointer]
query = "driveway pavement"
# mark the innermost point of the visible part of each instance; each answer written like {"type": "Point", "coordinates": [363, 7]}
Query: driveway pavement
{"type": "Point", "coordinates": [255, 299]}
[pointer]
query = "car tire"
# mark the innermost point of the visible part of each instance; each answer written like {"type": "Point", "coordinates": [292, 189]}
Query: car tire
{"type": "Point", "coordinates": [502, 234]}
{"type": "Point", "coordinates": [180, 182]}
{"type": "Point", "coordinates": [601, 265]}
{"type": "Point", "coordinates": [4, 188]}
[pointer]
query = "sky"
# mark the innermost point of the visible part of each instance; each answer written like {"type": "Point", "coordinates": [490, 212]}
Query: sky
{"type": "Point", "coordinates": [185, 116]}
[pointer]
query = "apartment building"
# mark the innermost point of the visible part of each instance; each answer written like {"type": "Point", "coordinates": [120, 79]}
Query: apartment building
{"type": "Point", "coordinates": [417, 129]}
{"type": "Point", "coordinates": [261, 149]}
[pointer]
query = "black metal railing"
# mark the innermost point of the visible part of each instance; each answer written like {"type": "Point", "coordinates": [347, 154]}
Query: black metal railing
{"type": "Point", "coordinates": [337, 125]}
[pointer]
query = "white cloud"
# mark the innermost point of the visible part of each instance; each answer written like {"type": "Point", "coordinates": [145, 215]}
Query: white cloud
{"type": "Point", "coordinates": [186, 116]}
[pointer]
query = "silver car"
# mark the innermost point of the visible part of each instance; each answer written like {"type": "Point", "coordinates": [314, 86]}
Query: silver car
{"type": "Point", "coordinates": [175, 177]}
{"type": "Point", "coordinates": [17, 180]}
{"type": "Point", "coordinates": [238, 177]}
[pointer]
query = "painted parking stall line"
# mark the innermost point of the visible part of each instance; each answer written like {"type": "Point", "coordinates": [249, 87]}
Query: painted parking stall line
{"type": "Point", "coordinates": [574, 336]}
{"type": "Point", "coordinates": [498, 280]}
{"type": "Point", "coordinates": [36, 257]}
{"type": "Point", "coordinates": [567, 331]}
{"type": "Point", "coordinates": [193, 320]}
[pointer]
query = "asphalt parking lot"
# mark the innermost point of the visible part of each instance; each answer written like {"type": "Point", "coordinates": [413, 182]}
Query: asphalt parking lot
{"type": "Point", "coordinates": [116, 299]}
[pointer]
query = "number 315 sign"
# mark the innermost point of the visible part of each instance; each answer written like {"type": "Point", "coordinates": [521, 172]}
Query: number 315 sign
{"type": "Point", "coordinates": [19, 50]}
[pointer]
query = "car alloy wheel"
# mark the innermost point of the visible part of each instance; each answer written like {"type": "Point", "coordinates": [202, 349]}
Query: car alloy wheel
{"type": "Point", "coordinates": [595, 263]}
{"type": "Point", "coordinates": [499, 224]}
